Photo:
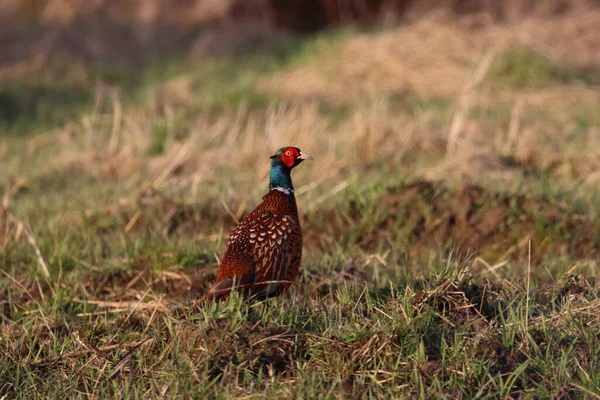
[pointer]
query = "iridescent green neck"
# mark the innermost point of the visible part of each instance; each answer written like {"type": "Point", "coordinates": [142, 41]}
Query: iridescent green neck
{"type": "Point", "coordinates": [280, 178]}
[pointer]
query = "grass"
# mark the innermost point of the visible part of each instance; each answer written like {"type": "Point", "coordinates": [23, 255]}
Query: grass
{"type": "Point", "coordinates": [427, 272]}
{"type": "Point", "coordinates": [523, 67]}
{"type": "Point", "coordinates": [40, 98]}
{"type": "Point", "coordinates": [450, 334]}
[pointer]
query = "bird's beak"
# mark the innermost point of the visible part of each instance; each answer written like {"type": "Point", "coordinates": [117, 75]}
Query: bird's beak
{"type": "Point", "coordinates": [304, 156]}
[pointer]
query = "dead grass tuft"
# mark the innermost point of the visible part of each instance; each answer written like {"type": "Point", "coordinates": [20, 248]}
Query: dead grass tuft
{"type": "Point", "coordinates": [570, 38]}
{"type": "Point", "coordinates": [434, 56]}
{"type": "Point", "coordinates": [431, 57]}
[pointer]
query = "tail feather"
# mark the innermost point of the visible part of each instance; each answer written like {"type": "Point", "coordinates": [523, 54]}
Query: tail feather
{"type": "Point", "coordinates": [221, 289]}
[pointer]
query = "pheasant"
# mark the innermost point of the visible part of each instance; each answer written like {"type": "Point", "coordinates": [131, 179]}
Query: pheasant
{"type": "Point", "coordinates": [264, 251]}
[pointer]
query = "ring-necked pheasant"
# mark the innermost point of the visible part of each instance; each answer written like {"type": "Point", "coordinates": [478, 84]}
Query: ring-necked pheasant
{"type": "Point", "coordinates": [264, 252]}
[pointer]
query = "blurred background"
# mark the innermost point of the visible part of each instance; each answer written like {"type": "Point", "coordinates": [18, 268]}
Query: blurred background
{"type": "Point", "coordinates": [144, 126]}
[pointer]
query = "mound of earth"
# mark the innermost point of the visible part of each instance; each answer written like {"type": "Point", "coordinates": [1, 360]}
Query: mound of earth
{"type": "Point", "coordinates": [429, 215]}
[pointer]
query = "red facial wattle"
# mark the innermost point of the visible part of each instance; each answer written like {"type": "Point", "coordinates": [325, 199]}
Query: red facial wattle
{"type": "Point", "coordinates": [288, 156]}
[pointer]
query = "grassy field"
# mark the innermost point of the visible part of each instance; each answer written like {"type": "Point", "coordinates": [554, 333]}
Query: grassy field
{"type": "Point", "coordinates": [449, 219]}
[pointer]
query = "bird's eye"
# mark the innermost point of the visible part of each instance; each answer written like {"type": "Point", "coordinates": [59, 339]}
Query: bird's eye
{"type": "Point", "coordinates": [288, 153]}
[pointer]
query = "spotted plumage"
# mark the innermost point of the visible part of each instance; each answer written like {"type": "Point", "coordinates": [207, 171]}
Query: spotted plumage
{"type": "Point", "coordinates": [264, 252]}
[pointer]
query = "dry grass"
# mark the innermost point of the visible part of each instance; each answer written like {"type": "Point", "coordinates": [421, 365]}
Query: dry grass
{"type": "Point", "coordinates": [570, 38]}
{"type": "Point", "coordinates": [395, 346]}
{"type": "Point", "coordinates": [127, 208]}
{"type": "Point", "coordinates": [439, 58]}
{"type": "Point", "coordinates": [376, 133]}
{"type": "Point", "coordinates": [431, 57]}
{"type": "Point", "coordinates": [66, 12]}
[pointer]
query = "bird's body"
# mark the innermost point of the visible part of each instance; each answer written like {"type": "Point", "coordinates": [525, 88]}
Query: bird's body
{"type": "Point", "coordinates": [264, 252]}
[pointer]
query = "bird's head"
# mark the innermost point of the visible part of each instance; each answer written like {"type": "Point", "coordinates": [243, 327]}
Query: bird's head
{"type": "Point", "coordinates": [290, 157]}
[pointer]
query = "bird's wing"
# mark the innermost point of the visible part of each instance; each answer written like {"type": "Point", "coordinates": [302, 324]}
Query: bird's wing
{"type": "Point", "coordinates": [271, 237]}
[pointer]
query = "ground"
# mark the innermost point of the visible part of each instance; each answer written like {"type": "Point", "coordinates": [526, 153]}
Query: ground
{"type": "Point", "coordinates": [451, 240]}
